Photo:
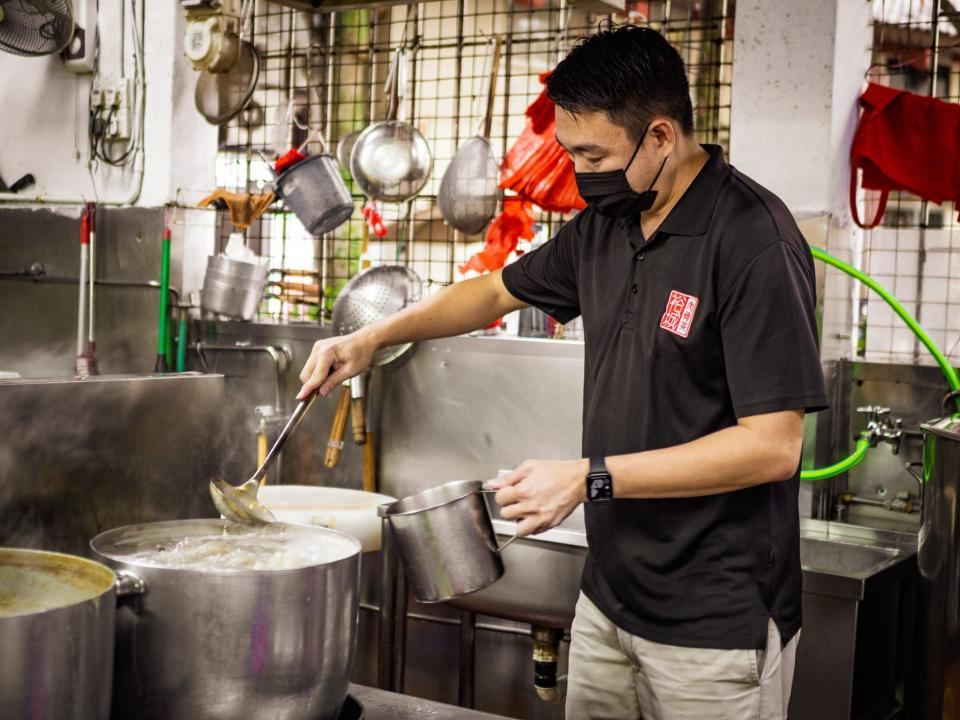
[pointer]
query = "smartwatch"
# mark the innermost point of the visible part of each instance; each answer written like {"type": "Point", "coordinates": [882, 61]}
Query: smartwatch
{"type": "Point", "coordinates": [599, 481]}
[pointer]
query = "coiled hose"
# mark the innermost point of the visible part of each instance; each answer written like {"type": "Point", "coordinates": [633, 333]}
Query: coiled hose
{"type": "Point", "coordinates": [863, 442]}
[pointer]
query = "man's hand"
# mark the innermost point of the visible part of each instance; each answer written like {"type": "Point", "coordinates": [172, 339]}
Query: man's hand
{"type": "Point", "coordinates": [541, 493]}
{"type": "Point", "coordinates": [334, 360]}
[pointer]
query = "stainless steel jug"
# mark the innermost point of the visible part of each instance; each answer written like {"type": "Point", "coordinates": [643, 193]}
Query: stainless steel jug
{"type": "Point", "coordinates": [446, 540]}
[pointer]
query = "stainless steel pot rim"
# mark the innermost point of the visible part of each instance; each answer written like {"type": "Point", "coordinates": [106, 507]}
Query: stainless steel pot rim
{"type": "Point", "coordinates": [302, 163]}
{"type": "Point", "coordinates": [109, 579]}
{"type": "Point", "coordinates": [213, 523]}
{"type": "Point", "coordinates": [468, 487]}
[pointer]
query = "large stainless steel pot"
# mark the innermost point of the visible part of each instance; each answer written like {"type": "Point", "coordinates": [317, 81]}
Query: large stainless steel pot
{"type": "Point", "coordinates": [938, 556]}
{"type": "Point", "coordinates": [56, 636]}
{"type": "Point", "coordinates": [209, 645]}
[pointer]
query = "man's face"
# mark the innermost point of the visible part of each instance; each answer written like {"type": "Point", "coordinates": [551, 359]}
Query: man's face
{"type": "Point", "coordinates": [595, 144]}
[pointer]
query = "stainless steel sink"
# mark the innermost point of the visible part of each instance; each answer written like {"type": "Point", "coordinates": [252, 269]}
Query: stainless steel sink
{"type": "Point", "coordinates": [542, 573]}
{"type": "Point", "coordinates": [541, 579]}
{"type": "Point", "coordinates": [843, 560]}
{"type": "Point", "coordinates": [831, 557]}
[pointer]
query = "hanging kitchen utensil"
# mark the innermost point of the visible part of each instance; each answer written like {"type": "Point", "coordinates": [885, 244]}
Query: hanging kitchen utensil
{"type": "Point", "coordinates": [391, 160]}
{"type": "Point", "coordinates": [368, 297]}
{"type": "Point", "coordinates": [469, 192]}
{"type": "Point", "coordinates": [316, 193]}
{"type": "Point", "coordinates": [220, 97]}
{"type": "Point", "coordinates": [239, 503]}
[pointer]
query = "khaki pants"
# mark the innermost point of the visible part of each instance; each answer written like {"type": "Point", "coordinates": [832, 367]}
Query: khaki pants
{"type": "Point", "coordinates": [614, 675]}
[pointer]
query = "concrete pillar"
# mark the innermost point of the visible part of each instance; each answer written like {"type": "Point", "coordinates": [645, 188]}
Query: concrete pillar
{"type": "Point", "coordinates": [798, 70]}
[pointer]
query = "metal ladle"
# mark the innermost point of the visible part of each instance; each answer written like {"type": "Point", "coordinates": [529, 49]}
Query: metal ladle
{"type": "Point", "coordinates": [239, 503]}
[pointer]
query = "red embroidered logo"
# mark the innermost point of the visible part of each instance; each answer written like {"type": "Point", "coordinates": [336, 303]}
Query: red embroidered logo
{"type": "Point", "coordinates": [678, 316]}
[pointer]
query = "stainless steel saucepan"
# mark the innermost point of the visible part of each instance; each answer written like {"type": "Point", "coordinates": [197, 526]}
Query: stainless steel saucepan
{"type": "Point", "coordinates": [391, 160]}
{"type": "Point", "coordinates": [57, 615]}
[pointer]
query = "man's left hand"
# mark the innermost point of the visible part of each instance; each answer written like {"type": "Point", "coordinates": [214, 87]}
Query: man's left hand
{"type": "Point", "coordinates": [541, 493]}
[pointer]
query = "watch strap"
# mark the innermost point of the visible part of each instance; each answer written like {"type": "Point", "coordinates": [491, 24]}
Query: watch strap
{"type": "Point", "coordinates": [597, 465]}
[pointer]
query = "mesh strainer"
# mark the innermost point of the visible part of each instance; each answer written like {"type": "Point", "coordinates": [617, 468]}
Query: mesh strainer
{"type": "Point", "coordinates": [372, 295]}
{"type": "Point", "coordinates": [469, 195]}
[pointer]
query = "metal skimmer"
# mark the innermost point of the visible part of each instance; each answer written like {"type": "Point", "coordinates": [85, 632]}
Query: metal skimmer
{"type": "Point", "coordinates": [371, 296]}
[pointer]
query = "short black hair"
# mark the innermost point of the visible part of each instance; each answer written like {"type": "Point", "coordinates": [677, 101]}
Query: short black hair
{"type": "Point", "coordinates": [631, 73]}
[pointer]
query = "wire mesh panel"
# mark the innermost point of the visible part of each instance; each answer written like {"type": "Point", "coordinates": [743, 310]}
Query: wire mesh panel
{"type": "Point", "coordinates": [322, 82]}
{"type": "Point", "coordinates": [915, 251]}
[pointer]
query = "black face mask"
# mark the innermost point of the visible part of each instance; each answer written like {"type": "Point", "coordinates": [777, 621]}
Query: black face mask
{"type": "Point", "coordinates": [610, 194]}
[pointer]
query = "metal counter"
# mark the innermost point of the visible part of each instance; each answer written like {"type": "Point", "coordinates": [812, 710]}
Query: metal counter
{"type": "Point", "coordinates": [383, 705]}
{"type": "Point", "coordinates": [81, 456]}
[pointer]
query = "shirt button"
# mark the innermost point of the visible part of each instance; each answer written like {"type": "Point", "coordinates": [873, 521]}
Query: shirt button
{"type": "Point", "coordinates": [633, 288]}
{"type": "Point", "coordinates": [641, 256]}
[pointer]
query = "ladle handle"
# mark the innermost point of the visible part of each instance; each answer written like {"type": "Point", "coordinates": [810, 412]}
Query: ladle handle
{"type": "Point", "coordinates": [292, 423]}
{"type": "Point", "coordinates": [335, 443]}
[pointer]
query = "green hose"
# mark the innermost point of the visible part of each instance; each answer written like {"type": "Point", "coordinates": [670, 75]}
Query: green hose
{"type": "Point", "coordinates": [948, 372]}
{"type": "Point", "coordinates": [863, 444]}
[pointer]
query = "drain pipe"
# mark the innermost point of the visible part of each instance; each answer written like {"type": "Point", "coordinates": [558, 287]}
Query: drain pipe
{"type": "Point", "coordinates": [546, 654]}
{"type": "Point", "coordinates": [468, 658]}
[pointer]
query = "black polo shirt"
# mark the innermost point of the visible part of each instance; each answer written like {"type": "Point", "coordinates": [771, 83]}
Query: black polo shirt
{"type": "Point", "coordinates": [710, 320]}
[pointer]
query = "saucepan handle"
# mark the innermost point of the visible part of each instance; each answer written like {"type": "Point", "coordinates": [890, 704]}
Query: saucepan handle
{"type": "Point", "coordinates": [129, 585]}
{"type": "Point", "coordinates": [488, 490]}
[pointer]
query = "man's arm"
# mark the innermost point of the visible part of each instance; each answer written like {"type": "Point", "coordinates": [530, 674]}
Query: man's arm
{"type": "Point", "coordinates": [759, 449]}
{"type": "Point", "coordinates": [457, 309]}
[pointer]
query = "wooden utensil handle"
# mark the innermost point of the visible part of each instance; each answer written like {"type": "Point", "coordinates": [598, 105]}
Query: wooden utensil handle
{"type": "Point", "coordinates": [357, 421]}
{"type": "Point", "coordinates": [370, 463]}
{"type": "Point", "coordinates": [335, 443]}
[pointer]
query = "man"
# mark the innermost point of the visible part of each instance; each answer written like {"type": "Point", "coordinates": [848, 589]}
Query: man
{"type": "Point", "coordinates": [701, 358]}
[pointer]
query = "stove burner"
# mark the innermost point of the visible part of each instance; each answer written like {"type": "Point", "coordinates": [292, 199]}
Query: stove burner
{"type": "Point", "coordinates": [351, 710]}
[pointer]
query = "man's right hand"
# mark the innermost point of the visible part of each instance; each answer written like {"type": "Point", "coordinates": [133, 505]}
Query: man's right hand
{"type": "Point", "coordinates": [335, 360]}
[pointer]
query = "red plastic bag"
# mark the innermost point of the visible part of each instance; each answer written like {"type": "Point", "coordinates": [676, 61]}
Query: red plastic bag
{"type": "Point", "coordinates": [515, 222]}
{"type": "Point", "coordinates": [536, 167]}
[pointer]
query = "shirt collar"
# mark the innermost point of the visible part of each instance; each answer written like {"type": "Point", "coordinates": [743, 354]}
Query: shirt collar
{"type": "Point", "coordinates": [691, 215]}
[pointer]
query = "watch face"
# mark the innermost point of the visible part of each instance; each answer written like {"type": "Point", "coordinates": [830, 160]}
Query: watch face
{"type": "Point", "coordinates": [598, 487]}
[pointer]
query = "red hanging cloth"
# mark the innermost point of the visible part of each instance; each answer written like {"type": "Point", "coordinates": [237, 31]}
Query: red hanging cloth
{"type": "Point", "coordinates": [905, 142]}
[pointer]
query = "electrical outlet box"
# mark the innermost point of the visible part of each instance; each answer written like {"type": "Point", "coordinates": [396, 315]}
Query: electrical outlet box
{"type": "Point", "coordinates": [113, 97]}
{"type": "Point", "coordinates": [96, 95]}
